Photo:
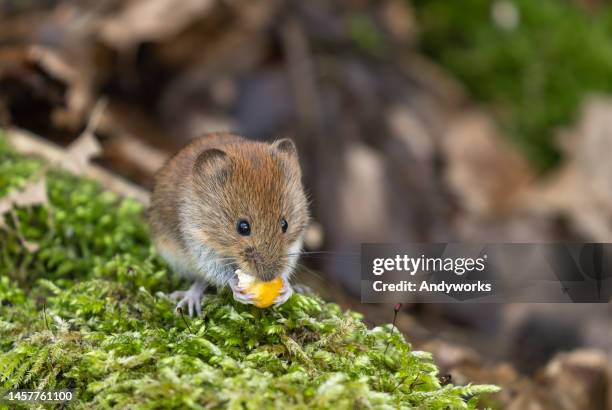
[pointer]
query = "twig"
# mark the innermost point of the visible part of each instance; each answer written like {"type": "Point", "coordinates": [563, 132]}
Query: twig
{"type": "Point", "coordinates": [414, 383]}
{"type": "Point", "coordinates": [403, 380]}
{"type": "Point", "coordinates": [396, 309]}
{"type": "Point", "coordinates": [44, 307]}
{"type": "Point", "coordinates": [180, 311]}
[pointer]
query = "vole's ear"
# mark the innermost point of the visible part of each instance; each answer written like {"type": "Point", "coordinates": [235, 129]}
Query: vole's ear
{"type": "Point", "coordinates": [285, 145]}
{"type": "Point", "coordinates": [212, 163]}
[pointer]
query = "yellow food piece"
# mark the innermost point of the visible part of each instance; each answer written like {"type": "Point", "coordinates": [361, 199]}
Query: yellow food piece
{"type": "Point", "coordinates": [265, 292]}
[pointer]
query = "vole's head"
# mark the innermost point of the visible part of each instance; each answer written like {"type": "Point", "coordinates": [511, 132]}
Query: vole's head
{"type": "Point", "coordinates": [249, 206]}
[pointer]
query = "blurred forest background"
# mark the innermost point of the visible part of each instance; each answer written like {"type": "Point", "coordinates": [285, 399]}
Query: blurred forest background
{"type": "Point", "coordinates": [422, 120]}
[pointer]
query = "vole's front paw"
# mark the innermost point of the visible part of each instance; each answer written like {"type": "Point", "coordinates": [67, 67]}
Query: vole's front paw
{"type": "Point", "coordinates": [285, 293]}
{"type": "Point", "coordinates": [192, 299]}
{"type": "Point", "coordinates": [240, 294]}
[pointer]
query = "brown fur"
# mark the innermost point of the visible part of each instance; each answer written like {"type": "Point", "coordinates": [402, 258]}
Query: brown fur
{"type": "Point", "coordinates": [204, 190]}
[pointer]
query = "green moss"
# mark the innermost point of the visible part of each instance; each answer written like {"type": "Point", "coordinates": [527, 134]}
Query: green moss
{"type": "Point", "coordinates": [14, 170]}
{"type": "Point", "coordinates": [535, 76]}
{"type": "Point", "coordinates": [88, 311]}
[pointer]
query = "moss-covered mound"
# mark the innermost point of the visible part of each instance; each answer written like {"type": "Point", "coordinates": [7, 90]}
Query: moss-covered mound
{"type": "Point", "coordinates": [83, 306]}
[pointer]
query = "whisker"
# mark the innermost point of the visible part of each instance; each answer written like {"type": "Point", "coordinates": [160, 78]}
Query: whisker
{"type": "Point", "coordinates": [307, 270]}
{"type": "Point", "coordinates": [327, 253]}
{"type": "Point", "coordinates": [298, 266]}
{"type": "Point", "coordinates": [330, 258]}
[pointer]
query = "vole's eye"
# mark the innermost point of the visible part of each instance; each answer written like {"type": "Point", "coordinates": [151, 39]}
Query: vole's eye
{"type": "Point", "coordinates": [243, 228]}
{"type": "Point", "coordinates": [284, 225]}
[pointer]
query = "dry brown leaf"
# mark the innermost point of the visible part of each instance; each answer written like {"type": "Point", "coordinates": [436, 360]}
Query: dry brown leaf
{"type": "Point", "coordinates": [31, 144]}
{"type": "Point", "coordinates": [581, 190]}
{"type": "Point", "coordinates": [86, 146]}
{"type": "Point", "coordinates": [69, 71]}
{"type": "Point", "coordinates": [5, 206]}
{"type": "Point", "coordinates": [149, 20]}
{"type": "Point", "coordinates": [34, 193]}
{"type": "Point", "coordinates": [578, 379]}
{"type": "Point", "coordinates": [483, 172]}
{"type": "Point", "coordinates": [82, 150]}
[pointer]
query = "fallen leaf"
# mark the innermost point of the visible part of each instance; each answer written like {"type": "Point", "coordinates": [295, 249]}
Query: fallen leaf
{"type": "Point", "coordinates": [150, 20]}
{"type": "Point", "coordinates": [34, 193]}
{"type": "Point", "coordinates": [483, 172]}
{"type": "Point", "coordinates": [83, 149]}
{"type": "Point", "coordinates": [86, 146]}
{"type": "Point", "coordinates": [580, 191]}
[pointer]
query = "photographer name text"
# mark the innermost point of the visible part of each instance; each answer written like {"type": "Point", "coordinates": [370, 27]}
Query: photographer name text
{"type": "Point", "coordinates": [423, 265]}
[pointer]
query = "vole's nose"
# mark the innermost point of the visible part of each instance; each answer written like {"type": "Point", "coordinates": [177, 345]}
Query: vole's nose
{"type": "Point", "coordinates": [251, 255]}
{"type": "Point", "coordinates": [263, 268]}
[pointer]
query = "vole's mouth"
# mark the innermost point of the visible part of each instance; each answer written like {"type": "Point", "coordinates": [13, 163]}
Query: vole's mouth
{"type": "Point", "coordinates": [264, 276]}
{"type": "Point", "coordinates": [243, 267]}
{"type": "Point", "coordinates": [263, 272]}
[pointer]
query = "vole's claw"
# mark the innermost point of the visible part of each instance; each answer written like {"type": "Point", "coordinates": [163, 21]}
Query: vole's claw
{"type": "Point", "coordinates": [187, 300]}
{"type": "Point", "coordinates": [192, 299]}
{"type": "Point", "coordinates": [285, 293]}
{"type": "Point", "coordinates": [239, 293]}
{"type": "Point", "coordinates": [244, 298]}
